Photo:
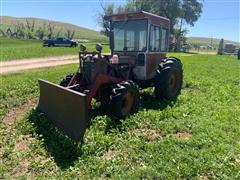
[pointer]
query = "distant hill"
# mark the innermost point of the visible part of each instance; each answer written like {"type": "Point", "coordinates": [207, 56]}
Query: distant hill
{"type": "Point", "coordinates": [203, 41]}
{"type": "Point", "coordinates": [80, 32]}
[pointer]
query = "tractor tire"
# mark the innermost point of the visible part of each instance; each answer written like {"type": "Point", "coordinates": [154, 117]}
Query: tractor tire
{"type": "Point", "coordinates": [124, 100]}
{"type": "Point", "coordinates": [168, 79]}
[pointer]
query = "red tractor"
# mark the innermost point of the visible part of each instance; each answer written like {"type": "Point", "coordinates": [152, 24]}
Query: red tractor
{"type": "Point", "coordinates": [139, 43]}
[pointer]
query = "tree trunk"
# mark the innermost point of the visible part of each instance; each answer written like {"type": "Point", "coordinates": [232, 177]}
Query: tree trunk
{"type": "Point", "coordinates": [179, 34]}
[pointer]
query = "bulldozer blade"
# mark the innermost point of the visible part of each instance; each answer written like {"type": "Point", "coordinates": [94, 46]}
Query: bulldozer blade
{"type": "Point", "coordinates": [67, 109]}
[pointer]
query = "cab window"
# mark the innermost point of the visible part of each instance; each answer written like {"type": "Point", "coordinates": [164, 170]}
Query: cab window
{"type": "Point", "coordinates": [158, 39]}
{"type": "Point", "coordinates": [130, 35]}
{"type": "Point", "coordinates": [164, 40]}
{"type": "Point", "coordinates": [154, 38]}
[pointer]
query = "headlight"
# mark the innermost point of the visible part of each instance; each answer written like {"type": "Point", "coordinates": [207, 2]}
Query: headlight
{"type": "Point", "coordinates": [82, 47]}
{"type": "Point", "coordinates": [99, 47]}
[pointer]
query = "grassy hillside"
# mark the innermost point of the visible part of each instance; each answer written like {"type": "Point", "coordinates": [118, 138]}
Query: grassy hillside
{"type": "Point", "coordinates": [197, 137]}
{"type": "Point", "coordinates": [80, 32]}
{"type": "Point", "coordinates": [203, 41]}
{"type": "Point", "coordinates": [25, 48]}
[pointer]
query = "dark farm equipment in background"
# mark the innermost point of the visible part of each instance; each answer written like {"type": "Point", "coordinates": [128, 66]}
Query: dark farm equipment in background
{"type": "Point", "coordinates": [229, 48]}
{"type": "Point", "coordinates": [139, 43]}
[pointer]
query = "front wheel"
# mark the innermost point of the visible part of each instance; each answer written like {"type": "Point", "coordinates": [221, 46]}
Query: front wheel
{"type": "Point", "coordinates": [169, 78]}
{"type": "Point", "coordinates": [124, 99]}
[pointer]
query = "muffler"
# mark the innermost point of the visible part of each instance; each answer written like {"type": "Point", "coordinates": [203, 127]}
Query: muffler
{"type": "Point", "coordinates": [67, 109]}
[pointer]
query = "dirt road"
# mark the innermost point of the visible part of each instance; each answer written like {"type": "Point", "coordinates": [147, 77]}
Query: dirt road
{"type": "Point", "coordinates": [25, 64]}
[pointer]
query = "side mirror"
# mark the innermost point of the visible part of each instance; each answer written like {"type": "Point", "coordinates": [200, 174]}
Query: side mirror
{"type": "Point", "coordinates": [99, 47]}
{"type": "Point", "coordinates": [82, 47]}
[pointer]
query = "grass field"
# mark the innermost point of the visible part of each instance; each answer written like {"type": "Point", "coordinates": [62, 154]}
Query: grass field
{"type": "Point", "coordinates": [196, 137]}
{"type": "Point", "coordinates": [19, 49]}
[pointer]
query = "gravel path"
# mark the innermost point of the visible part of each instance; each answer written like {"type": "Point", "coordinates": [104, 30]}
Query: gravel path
{"type": "Point", "coordinates": [7, 67]}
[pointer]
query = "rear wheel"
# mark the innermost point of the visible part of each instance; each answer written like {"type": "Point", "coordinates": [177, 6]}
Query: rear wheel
{"type": "Point", "coordinates": [168, 80]}
{"type": "Point", "coordinates": [124, 99]}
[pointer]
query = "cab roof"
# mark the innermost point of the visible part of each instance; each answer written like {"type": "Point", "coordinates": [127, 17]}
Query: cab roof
{"type": "Point", "coordinates": [152, 18]}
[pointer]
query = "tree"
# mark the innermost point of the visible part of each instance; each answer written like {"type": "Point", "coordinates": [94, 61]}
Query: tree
{"type": "Point", "coordinates": [30, 28]}
{"type": "Point", "coordinates": [41, 31]}
{"type": "Point", "coordinates": [107, 10]}
{"type": "Point", "coordinates": [69, 34]}
{"type": "Point", "coordinates": [190, 11]}
{"type": "Point", "coordinates": [19, 30]}
{"type": "Point", "coordinates": [2, 33]}
{"type": "Point", "coordinates": [9, 32]}
{"type": "Point", "coordinates": [180, 38]}
{"type": "Point", "coordinates": [50, 30]}
{"type": "Point", "coordinates": [220, 47]}
{"type": "Point", "coordinates": [59, 33]}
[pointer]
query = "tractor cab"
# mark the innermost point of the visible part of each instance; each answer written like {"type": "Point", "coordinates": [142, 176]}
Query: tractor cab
{"type": "Point", "coordinates": [142, 37]}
